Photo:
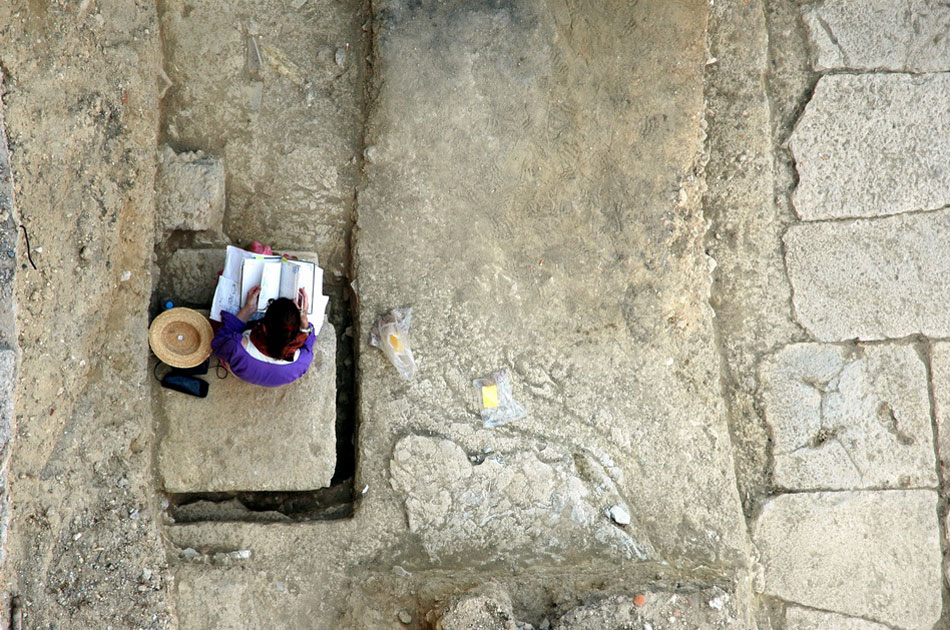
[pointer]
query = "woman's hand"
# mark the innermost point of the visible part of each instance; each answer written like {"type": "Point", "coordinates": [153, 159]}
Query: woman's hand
{"type": "Point", "coordinates": [303, 303]}
{"type": "Point", "coordinates": [250, 306]}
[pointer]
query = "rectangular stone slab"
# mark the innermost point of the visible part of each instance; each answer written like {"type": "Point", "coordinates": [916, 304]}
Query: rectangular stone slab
{"type": "Point", "coordinates": [846, 417]}
{"type": "Point", "coordinates": [872, 279]}
{"type": "Point", "coordinates": [905, 35]}
{"type": "Point", "coordinates": [940, 375]}
{"type": "Point", "coordinates": [868, 554]}
{"type": "Point", "coordinates": [246, 437]}
{"type": "Point", "coordinates": [870, 145]}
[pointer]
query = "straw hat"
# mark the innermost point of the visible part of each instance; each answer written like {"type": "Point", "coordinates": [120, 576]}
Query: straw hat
{"type": "Point", "coordinates": [181, 337]}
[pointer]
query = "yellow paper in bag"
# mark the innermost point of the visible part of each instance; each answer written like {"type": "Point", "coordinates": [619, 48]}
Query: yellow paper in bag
{"type": "Point", "coordinates": [489, 396]}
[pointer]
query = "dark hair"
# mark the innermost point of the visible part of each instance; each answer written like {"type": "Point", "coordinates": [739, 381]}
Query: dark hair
{"type": "Point", "coordinates": [281, 324]}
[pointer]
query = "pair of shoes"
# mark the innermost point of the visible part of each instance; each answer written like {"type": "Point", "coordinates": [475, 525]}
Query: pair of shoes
{"type": "Point", "coordinates": [257, 248]}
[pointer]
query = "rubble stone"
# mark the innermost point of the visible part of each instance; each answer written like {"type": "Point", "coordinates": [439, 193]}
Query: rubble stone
{"type": "Point", "coordinates": [486, 608]}
{"type": "Point", "coordinates": [871, 145]}
{"type": "Point", "coordinates": [711, 609]}
{"type": "Point", "coordinates": [190, 191]}
{"type": "Point", "coordinates": [907, 36]}
{"type": "Point", "coordinates": [872, 278]}
{"type": "Point", "coordinates": [872, 554]}
{"type": "Point", "coordinates": [849, 417]}
{"type": "Point", "coordinates": [797, 618]}
{"type": "Point", "coordinates": [245, 437]}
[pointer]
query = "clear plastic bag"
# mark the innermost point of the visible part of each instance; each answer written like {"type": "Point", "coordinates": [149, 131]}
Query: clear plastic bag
{"type": "Point", "coordinates": [496, 402]}
{"type": "Point", "coordinates": [391, 335]}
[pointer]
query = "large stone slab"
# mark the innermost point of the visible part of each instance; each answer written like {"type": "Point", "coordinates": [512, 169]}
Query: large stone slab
{"type": "Point", "coordinates": [869, 554]}
{"type": "Point", "coordinates": [873, 144]}
{"type": "Point", "coordinates": [906, 36]}
{"type": "Point", "coordinates": [527, 234]}
{"type": "Point", "coordinates": [872, 279]}
{"type": "Point", "coordinates": [798, 618]}
{"type": "Point", "coordinates": [245, 437]}
{"type": "Point", "coordinates": [849, 417]}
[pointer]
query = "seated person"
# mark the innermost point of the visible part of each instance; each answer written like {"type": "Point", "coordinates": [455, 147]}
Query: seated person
{"type": "Point", "coordinates": [271, 351]}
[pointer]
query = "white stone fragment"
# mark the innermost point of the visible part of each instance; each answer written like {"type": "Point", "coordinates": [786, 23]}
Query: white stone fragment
{"type": "Point", "coordinates": [872, 145]}
{"type": "Point", "coordinates": [847, 418]}
{"type": "Point", "coordinates": [907, 36]}
{"type": "Point", "coordinates": [866, 279]}
{"type": "Point", "coordinates": [871, 554]}
{"type": "Point", "coordinates": [619, 515]}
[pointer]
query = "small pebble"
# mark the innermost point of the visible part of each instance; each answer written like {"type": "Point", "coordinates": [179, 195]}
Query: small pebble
{"type": "Point", "coordinates": [125, 276]}
{"type": "Point", "coordinates": [639, 600]}
{"type": "Point", "coordinates": [405, 616]}
{"type": "Point", "coordinates": [619, 515]}
{"type": "Point", "coordinates": [398, 570]}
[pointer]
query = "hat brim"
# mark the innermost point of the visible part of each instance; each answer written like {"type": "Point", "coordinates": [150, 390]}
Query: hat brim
{"type": "Point", "coordinates": [181, 337]}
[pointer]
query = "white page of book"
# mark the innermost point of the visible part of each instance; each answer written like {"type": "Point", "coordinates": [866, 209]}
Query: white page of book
{"type": "Point", "coordinates": [227, 298]}
{"type": "Point", "coordinates": [309, 278]}
{"type": "Point", "coordinates": [289, 280]}
{"type": "Point", "coordinates": [270, 284]}
{"type": "Point", "coordinates": [252, 270]}
{"type": "Point", "coordinates": [233, 262]}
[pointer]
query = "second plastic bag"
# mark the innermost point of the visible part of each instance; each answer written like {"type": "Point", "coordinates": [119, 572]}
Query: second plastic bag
{"type": "Point", "coordinates": [391, 335]}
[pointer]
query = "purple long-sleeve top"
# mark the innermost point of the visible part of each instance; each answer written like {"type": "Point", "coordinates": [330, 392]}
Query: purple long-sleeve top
{"type": "Point", "coordinates": [227, 347]}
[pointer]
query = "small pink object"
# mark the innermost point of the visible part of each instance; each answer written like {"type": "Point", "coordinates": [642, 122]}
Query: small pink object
{"type": "Point", "coordinates": [257, 248]}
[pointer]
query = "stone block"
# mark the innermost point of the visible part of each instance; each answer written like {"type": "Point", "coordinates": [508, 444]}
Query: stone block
{"type": "Point", "coordinates": [797, 618]}
{"type": "Point", "coordinates": [873, 144]}
{"type": "Point", "coordinates": [874, 555]}
{"type": "Point", "coordinates": [191, 190]}
{"type": "Point", "coordinates": [846, 418]}
{"type": "Point", "coordinates": [873, 278]}
{"type": "Point", "coordinates": [245, 437]}
{"type": "Point", "coordinates": [906, 36]}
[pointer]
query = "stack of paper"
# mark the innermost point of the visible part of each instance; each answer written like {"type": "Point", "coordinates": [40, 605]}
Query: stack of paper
{"type": "Point", "coordinates": [277, 276]}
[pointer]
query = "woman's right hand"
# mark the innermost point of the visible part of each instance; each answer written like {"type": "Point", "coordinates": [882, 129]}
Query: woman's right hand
{"type": "Point", "coordinates": [303, 303]}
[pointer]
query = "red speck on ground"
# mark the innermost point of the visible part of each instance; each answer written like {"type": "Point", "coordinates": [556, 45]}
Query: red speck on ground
{"type": "Point", "coordinates": [640, 599]}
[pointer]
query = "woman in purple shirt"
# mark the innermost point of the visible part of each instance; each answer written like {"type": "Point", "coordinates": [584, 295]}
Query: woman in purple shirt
{"type": "Point", "coordinates": [272, 351]}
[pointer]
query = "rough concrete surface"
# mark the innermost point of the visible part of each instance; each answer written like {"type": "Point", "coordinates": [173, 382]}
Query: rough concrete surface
{"type": "Point", "coordinates": [798, 618]}
{"type": "Point", "coordinates": [871, 279]}
{"type": "Point", "coordinates": [906, 36]}
{"type": "Point", "coordinates": [583, 270]}
{"type": "Point", "coordinates": [244, 437]}
{"type": "Point", "coordinates": [870, 145]}
{"type": "Point", "coordinates": [190, 188]}
{"type": "Point", "coordinates": [849, 417]}
{"type": "Point", "coordinates": [840, 551]}
{"type": "Point", "coordinates": [661, 610]}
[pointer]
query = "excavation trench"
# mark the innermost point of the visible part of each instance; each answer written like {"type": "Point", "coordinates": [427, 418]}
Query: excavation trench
{"type": "Point", "coordinates": [261, 133]}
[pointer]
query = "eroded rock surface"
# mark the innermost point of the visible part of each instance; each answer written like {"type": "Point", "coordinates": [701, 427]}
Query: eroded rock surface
{"type": "Point", "coordinates": [908, 36]}
{"type": "Point", "coordinates": [873, 144]}
{"type": "Point", "coordinates": [873, 278]}
{"type": "Point", "coordinates": [839, 551]}
{"type": "Point", "coordinates": [509, 503]}
{"type": "Point", "coordinates": [660, 610]}
{"type": "Point", "coordinates": [849, 417]}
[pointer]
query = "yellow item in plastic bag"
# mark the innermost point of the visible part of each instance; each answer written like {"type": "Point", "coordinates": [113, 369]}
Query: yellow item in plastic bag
{"type": "Point", "coordinates": [489, 396]}
{"type": "Point", "coordinates": [395, 342]}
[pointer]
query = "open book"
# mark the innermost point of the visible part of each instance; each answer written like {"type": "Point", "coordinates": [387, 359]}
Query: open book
{"type": "Point", "coordinates": [277, 276]}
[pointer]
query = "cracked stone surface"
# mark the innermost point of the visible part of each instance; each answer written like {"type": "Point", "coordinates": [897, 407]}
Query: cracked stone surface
{"type": "Point", "coordinates": [873, 144]}
{"type": "Point", "coordinates": [873, 278]}
{"type": "Point", "coordinates": [798, 618]}
{"type": "Point", "coordinates": [940, 374]}
{"type": "Point", "coordinates": [190, 191]}
{"type": "Point", "coordinates": [555, 502]}
{"type": "Point", "coordinates": [840, 551]}
{"type": "Point", "coordinates": [849, 417]}
{"type": "Point", "coordinates": [245, 437]}
{"type": "Point", "coordinates": [907, 36]}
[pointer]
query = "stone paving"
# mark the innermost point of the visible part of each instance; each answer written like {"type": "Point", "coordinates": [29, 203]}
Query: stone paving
{"type": "Point", "coordinates": [858, 544]}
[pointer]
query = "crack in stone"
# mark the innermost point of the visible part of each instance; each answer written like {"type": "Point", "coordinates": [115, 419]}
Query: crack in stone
{"type": "Point", "coordinates": [846, 61]}
{"type": "Point", "coordinates": [888, 418]}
